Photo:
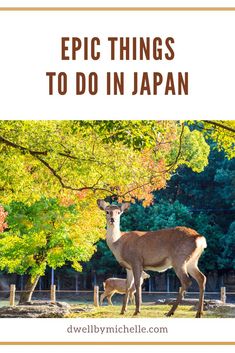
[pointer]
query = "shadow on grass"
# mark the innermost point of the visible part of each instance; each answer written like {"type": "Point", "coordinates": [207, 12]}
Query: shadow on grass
{"type": "Point", "coordinates": [147, 311]}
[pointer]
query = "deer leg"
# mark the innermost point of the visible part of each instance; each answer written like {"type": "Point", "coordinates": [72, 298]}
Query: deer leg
{"type": "Point", "coordinates": [132, 298]}
{"type": "Point", "coordinates": [185, 283]}
{"type": "Point", "coordinates": [129, 284]}
{"type": "Point", "coordinates": [201, 280]}
{"type": "Point", "coordinates": [109, 299]}
{"type": "Point", "coordinates": [137, 272]}
{"type": "Point", "coordinates": [125, 301]}
{"type": "Point", "coordinates": [102, 297]}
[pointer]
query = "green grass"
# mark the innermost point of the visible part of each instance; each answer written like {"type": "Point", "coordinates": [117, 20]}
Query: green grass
{"type": "Point", "coordinates": [147, 311]}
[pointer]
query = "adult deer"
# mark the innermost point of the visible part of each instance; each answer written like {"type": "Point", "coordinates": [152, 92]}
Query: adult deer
{"type": "Point", "coordinates": [178, 247]}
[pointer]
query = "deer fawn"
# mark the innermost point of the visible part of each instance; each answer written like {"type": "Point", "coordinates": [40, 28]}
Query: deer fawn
{"type": "Point", "coordinates": [119, 285]}
{"type": "Point", "coordinates": [179, 248]}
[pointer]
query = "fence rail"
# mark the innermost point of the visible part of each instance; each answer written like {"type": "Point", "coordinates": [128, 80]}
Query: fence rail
{"type": "Point", "coordinates": [96, 292]}
{"type": "Point", "coordinates": [92, 291]}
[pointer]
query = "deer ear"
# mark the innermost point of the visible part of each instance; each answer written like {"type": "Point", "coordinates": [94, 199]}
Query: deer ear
{"type": "Point", "coordinates": [102, 204]}
{"type": "Point", "coordinates": [125, 206]}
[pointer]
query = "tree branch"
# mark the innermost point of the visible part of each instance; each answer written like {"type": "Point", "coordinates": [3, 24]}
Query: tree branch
{"type": "Point", "coordinates": [21, 148]}
{"type": "Point", "coordinates": [92, 160]}
{"type": "Point", "coordinates": [37, 154]}
{"type": "Point", "coordinates": [179, 151]}
{"type": "Point", "coordinates": [45, 153]}
{"type": "Point", "coordinates": [135, 188]}
{"type": "Point", "coordinates": [59, 178]}
{"type": "Point", "coordinates": [215, 123]}
{"type": "Point", "coordinates": [94, 187]}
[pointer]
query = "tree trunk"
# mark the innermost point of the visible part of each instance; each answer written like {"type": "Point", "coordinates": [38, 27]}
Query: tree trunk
{"type": "Point", "coordinates": [26, 295]}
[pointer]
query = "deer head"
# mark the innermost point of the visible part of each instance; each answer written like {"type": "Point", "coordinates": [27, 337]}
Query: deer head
{"type": "Point", "coordinates": [113, 212]}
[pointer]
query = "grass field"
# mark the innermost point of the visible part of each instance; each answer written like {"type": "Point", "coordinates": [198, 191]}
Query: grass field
{"type": "Point", "coordinates": [147, 311]}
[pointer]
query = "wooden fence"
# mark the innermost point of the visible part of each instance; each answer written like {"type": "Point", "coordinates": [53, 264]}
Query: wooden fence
{"type": "Point", "coordinates": [96, 293]}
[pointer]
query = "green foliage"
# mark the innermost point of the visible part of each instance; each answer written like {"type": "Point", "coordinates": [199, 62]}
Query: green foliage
{"type": "Point", "coordinates": [221, 132]}
{"type": "Point", "coordinates": [67, 159]}
{"type": "Point", "coordinates": [161, 215]}
{"type": "Point", "coordinates": [209, 260]}
{"type": "Point", "coordinates": [137, 134]}
{"type": "Point", "coordinates": [227, 260]}
{"type": "Point", "coordinates": [211, 192]}
{"type": "Point", "coordinates": [193, 150]}
{"type": "Point", "coordinates": [45, 233]}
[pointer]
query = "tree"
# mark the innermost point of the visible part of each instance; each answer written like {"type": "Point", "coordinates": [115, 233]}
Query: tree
{"type": "Point", "coordinates": [46, 233]}
{"type": "Point", "coordinates": [124, 159]}
{"type": "Point", "coordinates": [221, 132]}
{"type": "Point", "coordinates": [227, 242]}
{"type": "Point", "coordinates": [211, 192]}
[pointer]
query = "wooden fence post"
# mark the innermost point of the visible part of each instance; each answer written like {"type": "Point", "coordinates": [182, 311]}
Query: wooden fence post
{"type": "Point", "coordinates": [96, 295]}
{"type": "Point", "coordinates": [223, 294]}
{"type": "Point", "coordinates": [53, 293]}
{"type": "Point", "coordinates": [12, 294]}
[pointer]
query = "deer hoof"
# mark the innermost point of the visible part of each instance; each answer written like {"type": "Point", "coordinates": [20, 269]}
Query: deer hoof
{"type": "Point", "coordinates": [169, 314]}
{"type": "Point", "coordinates": [136, 312]}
